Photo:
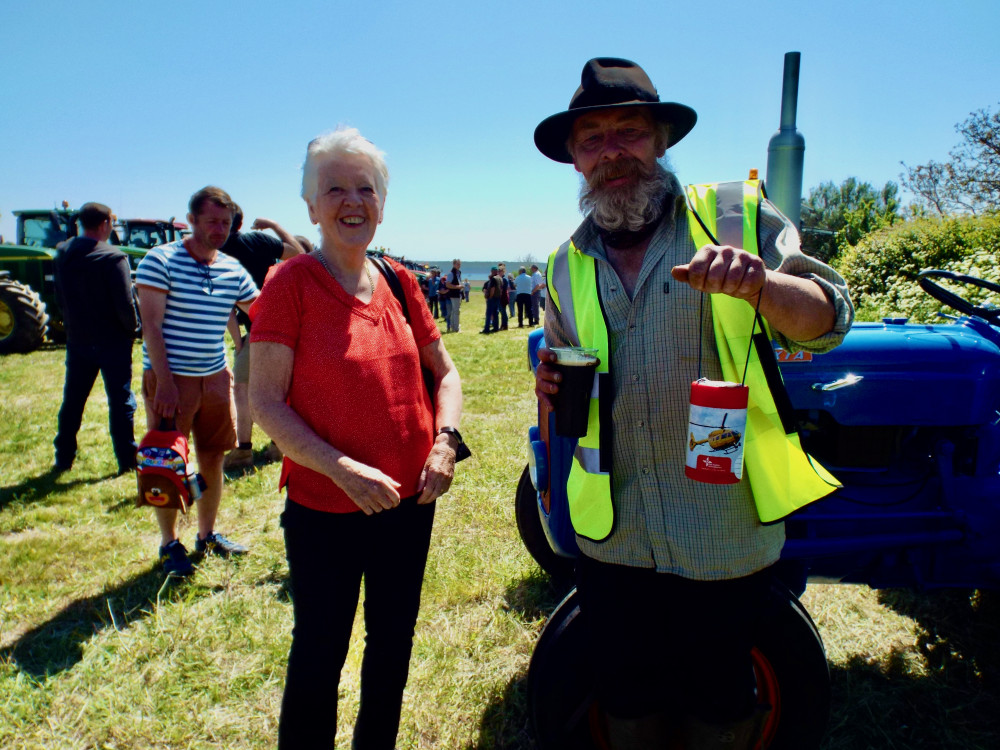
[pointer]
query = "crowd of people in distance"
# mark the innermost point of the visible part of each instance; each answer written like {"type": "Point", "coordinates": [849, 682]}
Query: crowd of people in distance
{"type": "Point", "coordinates": [504, 293]}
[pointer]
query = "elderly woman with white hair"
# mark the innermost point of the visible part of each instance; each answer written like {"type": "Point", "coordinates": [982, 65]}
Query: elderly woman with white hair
{"type": "Point", "coordinates": [337, 383]}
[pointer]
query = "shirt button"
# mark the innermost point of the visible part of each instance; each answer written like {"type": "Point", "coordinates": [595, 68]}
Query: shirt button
{"type": "Point", "coordinates": [632, 327]}
{"type": "Point", "coordinates": [645, 470]}
{"type": "Point", "coordinates": [642, 422]}
{"type": "Point", "coordinates": [635, 378]}
{"type": "Point", "coordinates": [613, 289]}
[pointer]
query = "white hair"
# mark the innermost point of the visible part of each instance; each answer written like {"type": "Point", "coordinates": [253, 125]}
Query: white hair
{"type": "Point", "coordinates": [334, 144]}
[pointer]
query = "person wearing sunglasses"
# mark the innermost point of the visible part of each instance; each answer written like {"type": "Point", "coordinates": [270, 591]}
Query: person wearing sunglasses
{"type": "Point", "coordinates": [187, 290]}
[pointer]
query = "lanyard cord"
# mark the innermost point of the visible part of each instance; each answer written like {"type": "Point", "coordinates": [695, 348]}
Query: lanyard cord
{"type": "Point", "coordinates": [701, 328]}
{"type": "Point", "coordinates": [753, 329]}
{"type": "Point", "coordinates": [701, 301]}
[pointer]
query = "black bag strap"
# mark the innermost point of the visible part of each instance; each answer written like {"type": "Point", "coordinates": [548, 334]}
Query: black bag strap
{"type": "Point", "coordinates": [389, 273]}
{"type": "Point", "coordinates": [167, 424]}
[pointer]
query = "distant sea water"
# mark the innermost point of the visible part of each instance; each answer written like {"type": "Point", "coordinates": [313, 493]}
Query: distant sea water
{"type": "Point", "coordinates": [479, 270]}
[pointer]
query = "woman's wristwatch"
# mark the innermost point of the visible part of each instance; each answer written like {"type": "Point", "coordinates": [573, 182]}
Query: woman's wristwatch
{"type": "Point", "coordinates": [462, 451]}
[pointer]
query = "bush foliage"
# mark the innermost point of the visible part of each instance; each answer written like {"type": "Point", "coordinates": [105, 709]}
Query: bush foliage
{"type": "Point", "coordinates": [835, 217]}
{"type": "Point", "coordinates": [882, 269]}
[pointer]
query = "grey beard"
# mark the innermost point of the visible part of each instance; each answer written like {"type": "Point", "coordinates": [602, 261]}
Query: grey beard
{"type": "Point", "coordinates": [630, 210]}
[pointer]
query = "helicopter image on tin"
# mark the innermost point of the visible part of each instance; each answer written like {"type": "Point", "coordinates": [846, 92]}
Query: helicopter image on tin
{"type": "Point", "coordinates": [722, 439]}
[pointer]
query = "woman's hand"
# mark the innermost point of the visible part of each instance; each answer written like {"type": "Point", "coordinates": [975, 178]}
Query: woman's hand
{"type": "Point", "coordinates": [370, 489]}
{"type": "Point", "coordinates": [439, 469]}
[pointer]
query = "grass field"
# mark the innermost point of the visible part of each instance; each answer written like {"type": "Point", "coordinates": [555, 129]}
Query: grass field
{"type": "Point", "coordinates": [95, 652]}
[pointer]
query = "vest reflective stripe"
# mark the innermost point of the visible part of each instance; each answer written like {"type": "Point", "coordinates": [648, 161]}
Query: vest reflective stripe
{"type": "Point", "coordinates": [783, 477]}
{"type": "Point", "coordinates": [588, 458]}
{"type": "Point", "coordinates": [557, 281]}
{"type": "Point", "coordinates": [731, 227]}
{"type": "Point", "coordinates": [572, 283]}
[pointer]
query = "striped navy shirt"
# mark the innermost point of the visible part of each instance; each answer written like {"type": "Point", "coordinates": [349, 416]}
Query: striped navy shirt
{"type": "Point", "coordinates": [199, 300]}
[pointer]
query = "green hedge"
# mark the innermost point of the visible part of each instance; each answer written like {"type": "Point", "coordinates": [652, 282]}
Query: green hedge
{"type": "Point", "coordinates": [881, 270]}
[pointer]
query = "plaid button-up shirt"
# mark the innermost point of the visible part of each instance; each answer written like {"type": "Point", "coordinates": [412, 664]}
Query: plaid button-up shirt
{"type": "Point", "coordinates": [664, 520]}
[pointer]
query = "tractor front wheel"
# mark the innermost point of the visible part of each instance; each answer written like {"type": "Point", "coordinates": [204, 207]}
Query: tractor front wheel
{"type": "Point", "coordinates": [23, 320]}
{"type": "Point", "coordinates": [789, 661]}
{"type": "Point", "coordinates": [529, 526]}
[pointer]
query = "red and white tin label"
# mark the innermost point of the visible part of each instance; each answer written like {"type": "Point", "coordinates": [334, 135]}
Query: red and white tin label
{"type": "Point", "coordinates": [716, 426]}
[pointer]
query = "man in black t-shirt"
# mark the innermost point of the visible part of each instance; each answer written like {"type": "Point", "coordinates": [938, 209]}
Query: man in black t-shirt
{"type": "Point", "coordinates": [453, 282]}
{"type": "Point", "coordinates": [504, 294]}
{"type": "Point", "coordinates": [256, 252]}
{"type": "Point", "coordinates": [493, 292]}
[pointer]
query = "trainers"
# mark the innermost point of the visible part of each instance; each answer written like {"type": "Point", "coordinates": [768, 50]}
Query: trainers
{"type": "Point", "coordinates": [238, 458]}
{"type": "Point", "coordinates": [273, 452]}
{"type": "Point", "coordinates": [216, 544]}
{"type": "Point", "coordinates": [174, 558]}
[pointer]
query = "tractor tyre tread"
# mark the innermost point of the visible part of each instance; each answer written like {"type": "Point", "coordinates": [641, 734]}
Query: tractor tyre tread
{"type": "Point", "coordinates": [28, 315]}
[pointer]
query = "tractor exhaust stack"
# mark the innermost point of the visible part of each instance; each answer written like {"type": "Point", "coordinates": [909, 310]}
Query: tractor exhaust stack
{"type": "Point", "coordinates": [786, 149]}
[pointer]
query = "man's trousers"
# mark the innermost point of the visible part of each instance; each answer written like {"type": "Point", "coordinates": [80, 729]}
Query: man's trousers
{"type": "Point", "coordinates": [83, 363]}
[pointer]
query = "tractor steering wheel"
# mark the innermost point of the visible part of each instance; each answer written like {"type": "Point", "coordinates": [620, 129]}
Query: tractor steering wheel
{"type": "Point", "coordinates": [990, 315]}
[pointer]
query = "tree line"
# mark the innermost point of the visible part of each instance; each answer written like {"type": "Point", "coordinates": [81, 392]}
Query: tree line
{"type": "Point", "coordinates": [880, 245]}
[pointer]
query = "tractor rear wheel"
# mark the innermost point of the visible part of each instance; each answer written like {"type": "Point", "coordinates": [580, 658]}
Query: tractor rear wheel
{"type": "Point", "coordinates": [792, 677]}
{"type": "Point", "coordinates": [23, 320]}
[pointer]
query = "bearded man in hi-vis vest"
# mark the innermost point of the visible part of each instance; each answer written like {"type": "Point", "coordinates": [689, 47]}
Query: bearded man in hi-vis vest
{"type": "Point", "coordinates": [672, 572]}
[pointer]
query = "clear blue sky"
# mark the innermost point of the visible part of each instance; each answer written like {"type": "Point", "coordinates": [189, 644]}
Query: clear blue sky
{"type": "Point", "coordinates": [138, 104]}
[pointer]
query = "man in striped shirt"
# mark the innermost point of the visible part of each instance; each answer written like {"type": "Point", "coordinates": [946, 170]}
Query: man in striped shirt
{"type": "Point", "coordinates": [187, 290]}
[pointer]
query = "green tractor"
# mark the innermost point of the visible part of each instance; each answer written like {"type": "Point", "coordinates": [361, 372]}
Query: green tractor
{"type": "Point", "coordinates": [28, 308]}
{"type": "Point", "coordinates": [147, 233]}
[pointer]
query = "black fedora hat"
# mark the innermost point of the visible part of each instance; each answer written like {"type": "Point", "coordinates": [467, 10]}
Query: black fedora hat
{"type": "Point", "coordinates": [608, 82]}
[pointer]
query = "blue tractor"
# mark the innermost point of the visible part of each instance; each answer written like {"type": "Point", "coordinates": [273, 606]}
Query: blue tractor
{"type": "Point", "coordinates": [906, 417]}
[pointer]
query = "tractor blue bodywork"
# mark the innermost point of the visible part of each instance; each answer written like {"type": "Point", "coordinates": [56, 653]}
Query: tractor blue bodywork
{"type": "Point", "coordinates": [905, 416]}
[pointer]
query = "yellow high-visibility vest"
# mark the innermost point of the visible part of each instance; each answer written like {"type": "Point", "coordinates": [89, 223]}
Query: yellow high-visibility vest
{"type": "Point", "coordinates": [782, 476]}
{"type": "Point", "coordinates": [572, 285]}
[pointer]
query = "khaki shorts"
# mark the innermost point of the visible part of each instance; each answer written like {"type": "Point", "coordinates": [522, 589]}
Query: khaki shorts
{"type": "Point", "coordinates": [205, 408]}
{"type": "Point", "coordinates": [241, 363]}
